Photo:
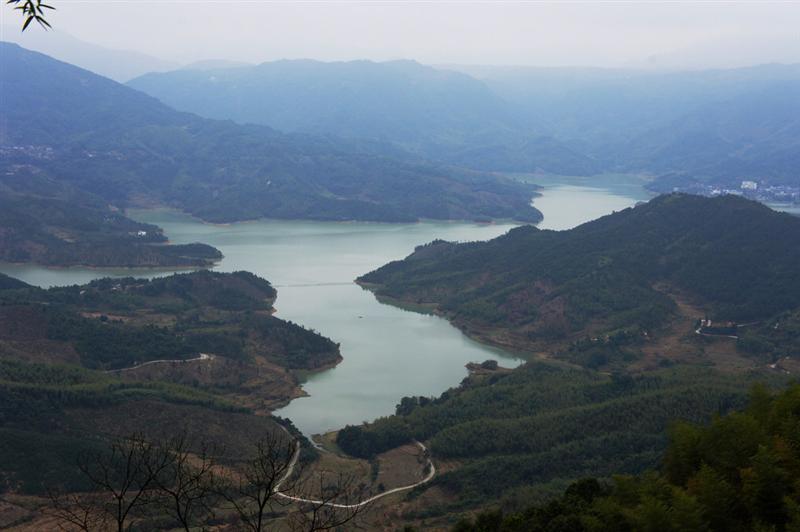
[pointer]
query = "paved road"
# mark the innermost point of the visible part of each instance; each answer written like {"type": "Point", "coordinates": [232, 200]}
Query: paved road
{"type": "Point", "coordinates": [428, 478]}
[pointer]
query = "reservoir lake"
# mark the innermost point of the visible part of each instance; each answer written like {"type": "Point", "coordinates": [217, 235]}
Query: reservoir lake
{"type": "Point", "coordinates": [387, 352]}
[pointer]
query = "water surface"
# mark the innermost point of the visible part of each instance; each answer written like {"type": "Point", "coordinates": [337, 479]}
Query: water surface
{"type": "Point", "coordinates": [388, 352]}
{"type": "Point", "coordinates": [570, 201]}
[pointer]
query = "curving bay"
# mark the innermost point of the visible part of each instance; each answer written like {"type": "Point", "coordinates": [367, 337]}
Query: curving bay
{"type": "Point", "coordinates": [388, 352]}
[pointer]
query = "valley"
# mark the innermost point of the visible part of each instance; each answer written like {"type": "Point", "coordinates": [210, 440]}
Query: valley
{"type": "Point", "coordinates": [389, 353]}
{"type": "Point", "coordinates": [335, 282]}
{"type": "Point", "coordinates": [313, 265]}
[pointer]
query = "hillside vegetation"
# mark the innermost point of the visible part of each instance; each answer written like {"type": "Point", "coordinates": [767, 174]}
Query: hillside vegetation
{"type": "Point", "coordinates": [623, 294]}
{"type": "Point", "coordinates": [539, 426]}
{"type": "Point", "coordinates": [611, 278]}
{"type": "Point", "coordinates": [82, 231]}
{"type": "Point", "coordinates": [81, 364]}
{"type": "Point", "coordinates": [737, 473]}
{"type": "Point", "coordinates": [116, 323]}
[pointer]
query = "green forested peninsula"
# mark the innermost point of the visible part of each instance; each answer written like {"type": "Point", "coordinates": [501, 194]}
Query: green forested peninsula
{"type": "Point", "coordinates": [80, 230]}
{"type": "Point", "coordinates": [117, 323]}
{"type": "Point", "coordinates": [614, 284]}
{"type": "Point", "coordinates": [199, 352]}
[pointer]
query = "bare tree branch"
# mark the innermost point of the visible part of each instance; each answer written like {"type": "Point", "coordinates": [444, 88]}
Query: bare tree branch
{"type": "Point", "coordinates": [171, 476]}
{"type": "Point", "coordinates": [252, 493]}
{"type": "Point", "coordinates": [77, 511]}
{"type": "Point", "coordinates": [187, 483]}
{"type": "Point", "coordinates": [124, 476]}
{"type": "Point", "coordinates": [333, 501]}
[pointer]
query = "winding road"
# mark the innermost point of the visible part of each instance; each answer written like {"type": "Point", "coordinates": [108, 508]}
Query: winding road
{"type": "Point", "coordinates": [290, 470]}
{"type": "Point", "coordinates": [203, 356]}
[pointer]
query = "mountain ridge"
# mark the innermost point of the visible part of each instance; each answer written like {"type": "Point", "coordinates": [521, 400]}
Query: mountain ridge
{"type": "Point", "coordinates": [118, 143]}
{"type": "Point", "coordinates": [442, 115]}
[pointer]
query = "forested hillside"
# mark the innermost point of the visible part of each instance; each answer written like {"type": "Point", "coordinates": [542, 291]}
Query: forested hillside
{"type": "Point", "coordinates": [118, 323]}
{"type": "Point", "coordinates": [80, 230]}
{"type": "Point", "coordinates": [615, 278]}
{"type": "Point", "coordinates": [107, 139]}
{"type": "Point", "coordinates": [525, 434]}
{"type": "Point", "coordinates": [737, 473]}
{"type": "Point", "coordinates": [624, 294]}
{"type": "Point", "coordinates": [82, 364]}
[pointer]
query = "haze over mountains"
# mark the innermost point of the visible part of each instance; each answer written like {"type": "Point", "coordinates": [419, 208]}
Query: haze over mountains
{"type": "Point", "coordinates": [67, 124]}
{"type": "Point", "coordinates": [713, 124]}
{"type": "Point", "coordinates": [439, 114]}
{"type": "Point", "coordinates": [569, 121]}
{"type": "Point", "coordinates": [119, 65]}
{"type": "Point", "coordinates": [721, 126]}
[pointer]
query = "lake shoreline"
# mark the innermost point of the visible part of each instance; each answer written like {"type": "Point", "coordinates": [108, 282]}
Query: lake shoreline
{"type": "Point", "coordinates": [383, 343]}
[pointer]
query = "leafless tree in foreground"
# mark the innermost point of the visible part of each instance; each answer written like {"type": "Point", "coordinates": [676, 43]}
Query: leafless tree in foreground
{"type": "Point", "coordinates": [122, 479]}
{"type": "Point", "coordinates": [171, 478]}
{"type": "Point", "coordinates": [186, 486]}
{"type": "Point", "coordinates": [274, 480]}
{"type": "Point", "coordinates": [252, 493]}
{"type": "Point", "coordinates": [126, 475]}
{"type": "Point", "coordinates": [333, 501]}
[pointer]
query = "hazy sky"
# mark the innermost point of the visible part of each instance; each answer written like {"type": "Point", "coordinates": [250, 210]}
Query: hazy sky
{"type": "Point", "coordinates": [673, 34]}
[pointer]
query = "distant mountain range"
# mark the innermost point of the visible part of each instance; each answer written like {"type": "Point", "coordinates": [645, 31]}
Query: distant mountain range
{"type": "Point", "coordinates": [439, 114]}
{"type": "Point", "coordinates": [711, 125]}
{"type": "Point", "coordinates": [722, 126]}
{"type": "Point", "coordinates": [395, 141]}
{"type": "Point", "coordinates": [109, 140]}
{"type": "Point", "coordinates": [679, 127]}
